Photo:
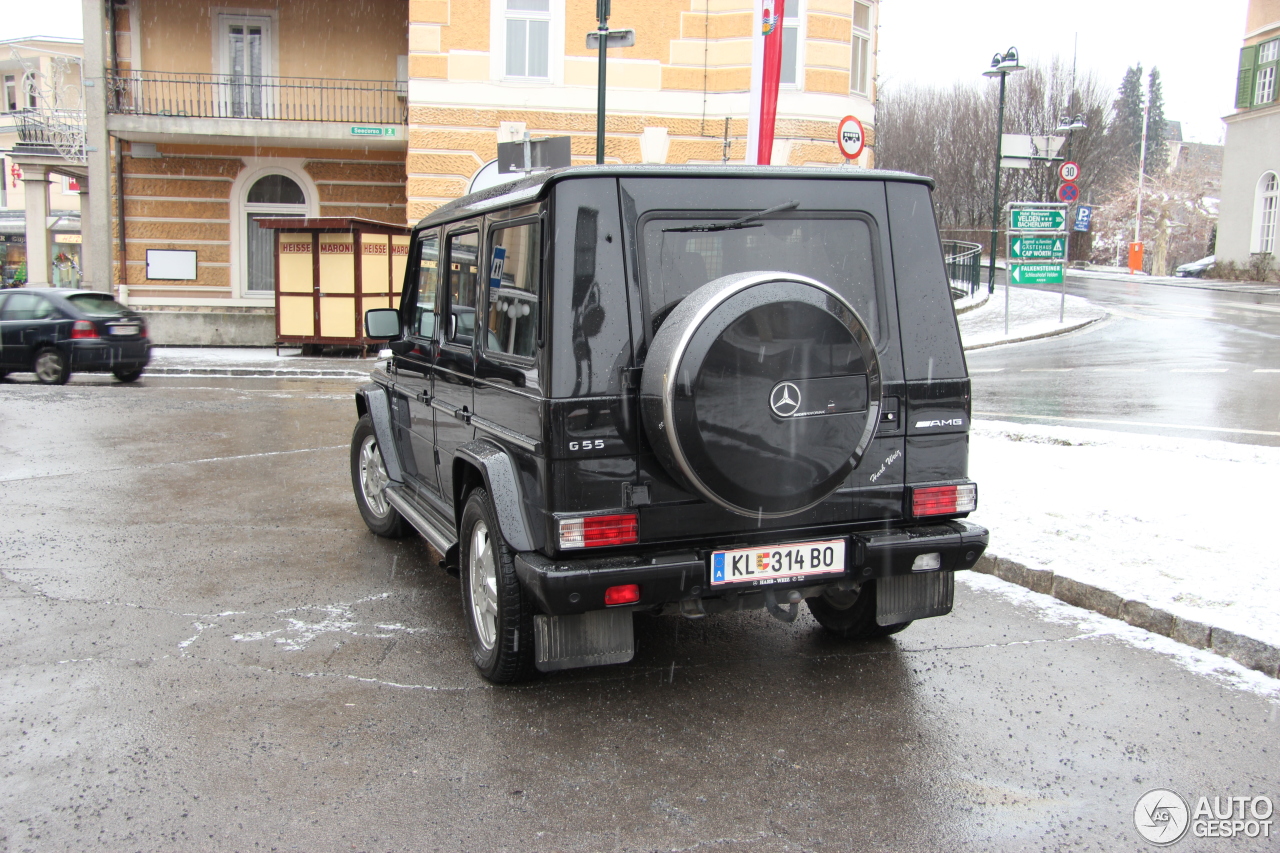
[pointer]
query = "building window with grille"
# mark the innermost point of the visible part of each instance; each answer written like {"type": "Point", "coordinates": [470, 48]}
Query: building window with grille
{"type": "Point", "coordinates": [860, 66]}
{"type": "Point", "coordinates": [789, 74]}
{"type": "Point", "coordinates": [528, 39]}
{"type": "Point", "coordinates": [1267, 212]}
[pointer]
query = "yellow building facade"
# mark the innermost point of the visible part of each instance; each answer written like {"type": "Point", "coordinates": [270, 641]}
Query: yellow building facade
{"type": "Point", "coordinates": [385, 109]}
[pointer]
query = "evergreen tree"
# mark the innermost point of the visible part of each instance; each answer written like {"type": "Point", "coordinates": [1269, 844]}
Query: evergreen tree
{"type": "Point", "coordinates": [1125, 132]}
{"type": "Point", "coordinates": [1157, 151]}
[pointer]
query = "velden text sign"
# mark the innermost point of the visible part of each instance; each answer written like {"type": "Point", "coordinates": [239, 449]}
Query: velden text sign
{"type": "Point", "coordinates": [1035, 273]}
{"type": "Point", "coordinates": [1037, 220]}
{"type": "Point", "coordinates": [1053, 248]}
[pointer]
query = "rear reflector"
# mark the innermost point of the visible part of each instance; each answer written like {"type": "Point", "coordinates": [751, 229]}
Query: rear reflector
{"type": "Point", "coordinates": [625, 594]}
{"type": "Point", "coordinates": [83, 329]}
{"type": "Point", "coordinates": [944, 500]}
{"type": "Point", "coordinates": [594, 531]}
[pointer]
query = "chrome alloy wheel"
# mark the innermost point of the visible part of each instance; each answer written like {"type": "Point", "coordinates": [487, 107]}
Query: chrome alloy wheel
{"type": "Point", "coordinates": [484, 586]}
{"type": "Point", "coordinates": [49, 366]}
{"type": "Point", "coordinates": [373, 477]}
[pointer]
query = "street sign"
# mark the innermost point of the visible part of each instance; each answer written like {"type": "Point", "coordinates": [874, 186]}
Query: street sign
{"type": "Point", "coordinates": [1084, 215]}
{"type": "Point", "coordinates": [1068, 193]}
{"type": "Point", "coordinates": [850, 137]}
{"type": "Point", "coordinates": [1053, 248]}
{"type": "Point", "coordinates": [615, 38]}
{"type": "Point", "coordinates": [1037, 220]}
{"type": "Point", "coordinates": [373, 131]}
{"type": "Point", "coordinates": [1035, 273]}
{"type": "Point", "coordinates": [1069, 171]}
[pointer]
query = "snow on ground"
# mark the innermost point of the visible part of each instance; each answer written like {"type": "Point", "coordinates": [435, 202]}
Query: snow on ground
{"type": "Point", "coordinates": [1032, 313]}
{"type": "Point", "coordinates": [1181, 524]}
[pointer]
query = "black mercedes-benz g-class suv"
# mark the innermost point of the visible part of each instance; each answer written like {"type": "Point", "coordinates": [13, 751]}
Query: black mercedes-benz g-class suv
{"type": "Point", "coordinates": [684, 390]}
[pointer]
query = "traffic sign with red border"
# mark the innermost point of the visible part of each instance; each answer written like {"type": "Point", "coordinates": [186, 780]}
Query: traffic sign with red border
{"type": "Point", "coordinates": [1068, 193]}
{"type": "Point", "coordinates": [850, 137]}
{"type": "Point", "coordinates": [1069, 172]}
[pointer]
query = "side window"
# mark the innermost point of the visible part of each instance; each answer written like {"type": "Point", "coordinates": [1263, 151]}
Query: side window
{"type": "Point", "coordinates": [513, 290]}
{"type": "Point", "coordinates": [463, 287]}
{"type": "Point", "coordinates": [423, 321]}
{"type": "Point", "coordinates": [26, 306]}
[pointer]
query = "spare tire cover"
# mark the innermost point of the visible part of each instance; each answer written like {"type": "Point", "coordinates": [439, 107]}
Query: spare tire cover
{"type": "Point", "coordinates": [761, 391]}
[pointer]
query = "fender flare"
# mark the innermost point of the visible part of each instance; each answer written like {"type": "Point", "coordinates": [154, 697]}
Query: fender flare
{"type": "Point", "coordinates": [499, 473]}
{"type": "Point", "coordinates": [372, 398]}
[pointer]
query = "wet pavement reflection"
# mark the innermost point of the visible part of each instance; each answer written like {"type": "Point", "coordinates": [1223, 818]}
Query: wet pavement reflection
{"type": "Point", "coordinates": [205, 649]}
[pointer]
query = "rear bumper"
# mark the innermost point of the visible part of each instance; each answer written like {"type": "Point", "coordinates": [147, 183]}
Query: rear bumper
{"type": "Point", "coordinates": [566, 586]}
{"type": "Point", "coordinates": [103, 355]}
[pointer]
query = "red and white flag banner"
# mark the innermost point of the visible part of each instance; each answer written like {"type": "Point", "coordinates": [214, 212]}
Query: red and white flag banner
{"type": "Point", "coordinates": [766, 67]}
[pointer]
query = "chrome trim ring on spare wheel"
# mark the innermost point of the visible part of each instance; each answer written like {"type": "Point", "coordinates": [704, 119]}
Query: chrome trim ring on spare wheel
{"type": "Point", "coordinates": [761, 391]}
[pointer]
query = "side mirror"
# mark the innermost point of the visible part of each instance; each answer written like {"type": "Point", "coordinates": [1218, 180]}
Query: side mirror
{"type": "Point", "coordinates": [382, 324]}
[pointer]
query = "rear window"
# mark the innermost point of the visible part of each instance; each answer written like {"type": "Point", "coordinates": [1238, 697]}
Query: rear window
{"type": "Point", "coordinates": [836, 251]}
{"type": "Point", "coordinates": [97, 304]}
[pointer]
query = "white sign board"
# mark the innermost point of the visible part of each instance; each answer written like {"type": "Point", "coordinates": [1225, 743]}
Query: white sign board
{"type": "Point", "coordinates": [171, 264]}
{"type": "Point", "coordinates": [1017, 151]}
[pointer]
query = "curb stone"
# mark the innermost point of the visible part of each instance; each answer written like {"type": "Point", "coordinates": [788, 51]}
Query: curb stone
{"type": "Point", "coordinates": [1246, 651]}
{"type": "Point", "coordinates": [258, 372]}
{"type": "Point", "coordinates": [1049, 334]}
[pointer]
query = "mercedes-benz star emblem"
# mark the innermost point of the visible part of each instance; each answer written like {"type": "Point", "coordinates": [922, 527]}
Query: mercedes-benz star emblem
{"type": "Point", "coordinates": [785, 399]}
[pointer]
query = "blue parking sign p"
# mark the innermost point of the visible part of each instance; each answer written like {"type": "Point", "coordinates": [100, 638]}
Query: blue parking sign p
{"type": "Point", "coordinates": [1084, 215]}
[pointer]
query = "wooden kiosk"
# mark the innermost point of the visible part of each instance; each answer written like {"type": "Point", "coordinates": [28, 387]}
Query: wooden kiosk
{"type": "Point", "coordinates": [329, 271]}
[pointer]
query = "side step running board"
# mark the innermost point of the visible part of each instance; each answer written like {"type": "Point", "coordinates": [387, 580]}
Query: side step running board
{"type": "Point", "coordinates": [440, 539]}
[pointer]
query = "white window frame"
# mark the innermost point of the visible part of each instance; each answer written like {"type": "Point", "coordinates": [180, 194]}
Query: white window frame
{"type": "Point", "coordinates": [864, 36]}
{"type": "Point", "coordinates": [1266, 214]}
{"type": "Point", "coordinates": [1266, 70]}
{"type": "Point", "coordinates": [795, 20]}
{"type": "Point", "coordinates": [221, 17]}
{"type": "Point", "coordinates": [498, 43]}
{"type": "Point", "coordinates": [255, 168]}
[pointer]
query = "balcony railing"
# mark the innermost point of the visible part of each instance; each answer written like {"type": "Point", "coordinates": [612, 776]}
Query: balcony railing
{"type": "Point", "coordinates": [159, 93]}
{"type": "Point", "coordinates": [964, 266]}
{"type": "Point", "coordinates": [51, 132]}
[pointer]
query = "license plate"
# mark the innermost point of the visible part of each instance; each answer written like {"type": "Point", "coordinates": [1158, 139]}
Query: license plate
{"type": "Point", "coordinates": [777, 563]}
{"type": "Point", "coordinates": [124, 330]}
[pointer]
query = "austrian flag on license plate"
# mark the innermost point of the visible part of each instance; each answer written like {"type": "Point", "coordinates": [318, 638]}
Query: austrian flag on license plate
{"type": "Point", "coordinates": [777, 563]}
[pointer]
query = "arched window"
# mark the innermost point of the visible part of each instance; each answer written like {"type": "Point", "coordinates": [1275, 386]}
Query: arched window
{"type": "Point", "coordinates": [270, 196]}
{"type": "Point", "coordinates": [1266, 212]}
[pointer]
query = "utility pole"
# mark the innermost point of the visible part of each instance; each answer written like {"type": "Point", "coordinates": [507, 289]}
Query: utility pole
{"type": "Point", "coordinates": [602, 15]}
{"type": "Point", "coordinates": [1142, 170]}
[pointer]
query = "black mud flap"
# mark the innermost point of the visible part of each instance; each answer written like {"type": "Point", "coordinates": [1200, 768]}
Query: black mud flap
{"type": "Point", "coordinates": [903, 598]}
{"type": "Point", "coordinates": [594, 638]}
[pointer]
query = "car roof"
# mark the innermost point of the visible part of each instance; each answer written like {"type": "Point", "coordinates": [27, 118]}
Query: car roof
{"type": "Point", "coordinates": [532, 187]}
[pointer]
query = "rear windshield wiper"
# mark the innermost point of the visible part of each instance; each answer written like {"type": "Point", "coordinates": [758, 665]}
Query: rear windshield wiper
{"type": "Point", "coordinates": [748, 221]}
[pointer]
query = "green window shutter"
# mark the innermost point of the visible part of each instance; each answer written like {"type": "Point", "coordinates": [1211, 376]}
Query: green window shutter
{"type": "Point", "coordinates": [1244, 83]}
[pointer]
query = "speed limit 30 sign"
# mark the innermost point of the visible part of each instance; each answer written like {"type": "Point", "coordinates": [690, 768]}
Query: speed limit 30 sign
{"type": "Point", "coordinates": [1069, 171]}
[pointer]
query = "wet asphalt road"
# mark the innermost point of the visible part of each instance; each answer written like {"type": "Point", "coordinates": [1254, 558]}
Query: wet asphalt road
{"type": "Point", "coordinates": [202, 648]}
{"type": "Point", "coordinates": [1176, 361]}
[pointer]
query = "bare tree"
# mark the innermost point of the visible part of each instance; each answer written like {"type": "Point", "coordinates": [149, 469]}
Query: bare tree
{"type": "Point", "coordinates": [1178, 215]}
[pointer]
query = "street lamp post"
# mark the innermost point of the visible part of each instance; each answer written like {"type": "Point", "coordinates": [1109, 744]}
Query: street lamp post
{"type": "Point", "coordinates": [1002, 64]}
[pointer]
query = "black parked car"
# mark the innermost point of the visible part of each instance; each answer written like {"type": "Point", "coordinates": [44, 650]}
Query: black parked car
{"type": "Point", "coordinates": [702, 389]}
{"type": "Point", "coordinates": [53, 331]}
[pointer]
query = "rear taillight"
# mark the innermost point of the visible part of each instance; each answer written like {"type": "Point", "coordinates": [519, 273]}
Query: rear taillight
{"type": "Point", "coordinates": [944, 500]}
{"type": "Point", "coordinates": [595, 531]}
{"type": "Point", "coordinates": [83, 329]}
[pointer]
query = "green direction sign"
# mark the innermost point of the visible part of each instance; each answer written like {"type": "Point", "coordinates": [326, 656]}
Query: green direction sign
{"type": "Point", "coordinates": [1035, 273]}
{"type": "Point", "coordinates": [373, 131]}
{"type": "Point", "coordinates": [1037, 220]}
{"type": "Point", "coordinates": [1054, 248]}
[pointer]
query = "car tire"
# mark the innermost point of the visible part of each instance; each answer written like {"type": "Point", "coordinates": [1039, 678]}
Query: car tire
{"type": "Point", "coordinates": [851, 615]}
{"type": "Point", "coordinates": [369, 480]}
{"type": "Point", "coordinates": [50, 367]}
{"type": "Point", "coordinates": [499, 614]}
{"type": "Point", "coordinates": [127, 375]}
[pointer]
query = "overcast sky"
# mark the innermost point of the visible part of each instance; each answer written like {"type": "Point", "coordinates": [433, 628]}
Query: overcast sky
{"type": "Point", "coordinates": [1196, 45]}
